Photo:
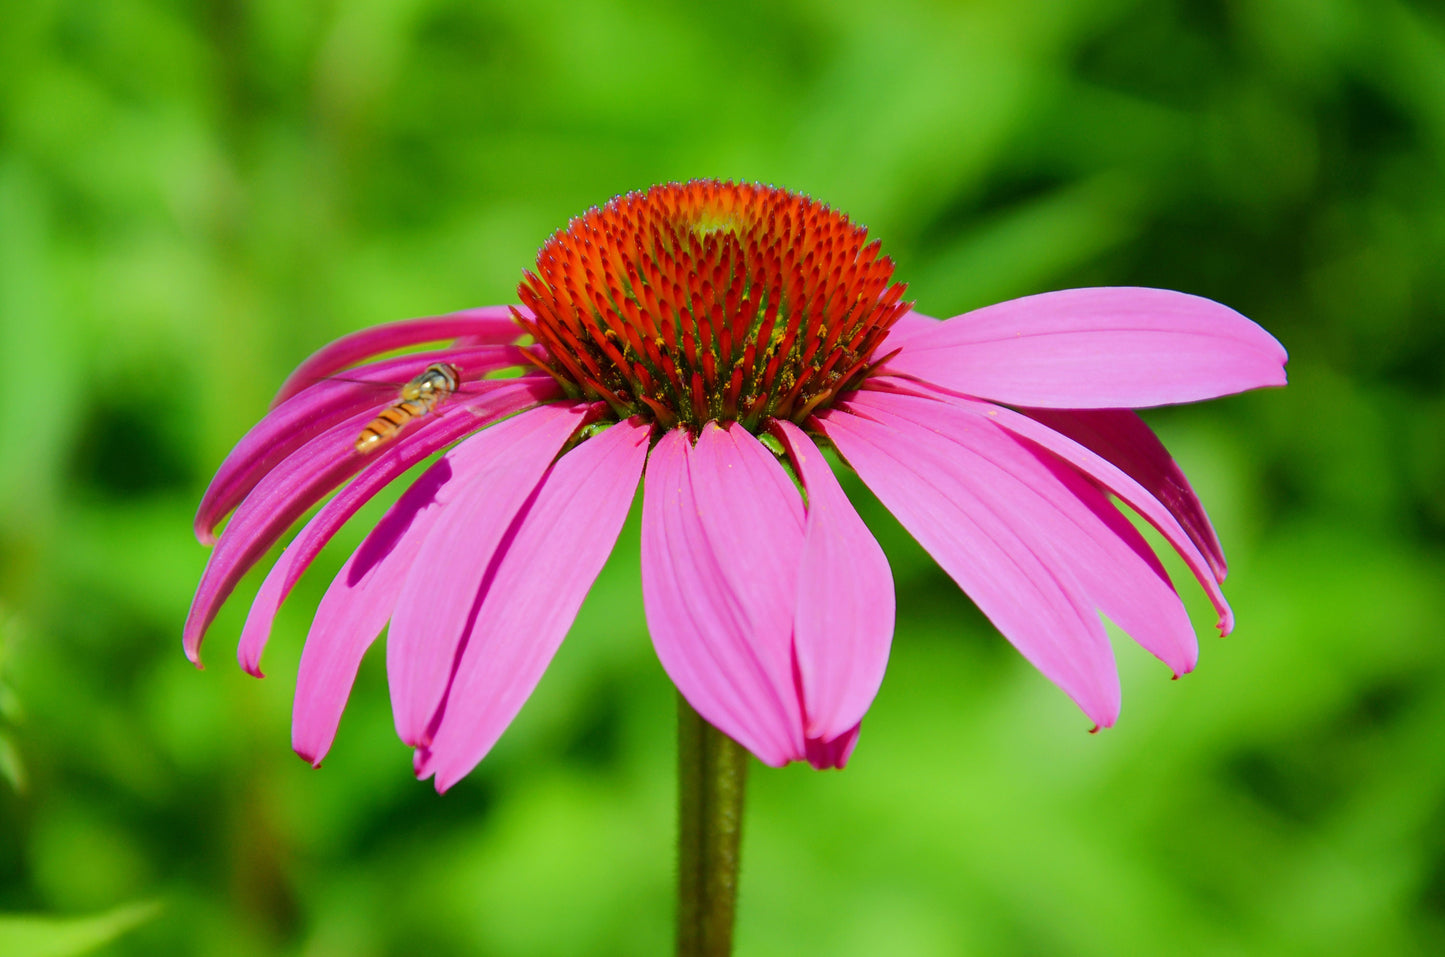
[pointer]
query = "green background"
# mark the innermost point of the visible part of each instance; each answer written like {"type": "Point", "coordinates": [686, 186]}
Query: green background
{"type": "Point", "coordinates": [194, 195]}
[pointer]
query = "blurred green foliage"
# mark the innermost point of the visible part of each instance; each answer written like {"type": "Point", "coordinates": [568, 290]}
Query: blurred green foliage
{"type": "Point", "coordinates": [68, 937]}
{"type": "Point", "coordinates": [194, 195]}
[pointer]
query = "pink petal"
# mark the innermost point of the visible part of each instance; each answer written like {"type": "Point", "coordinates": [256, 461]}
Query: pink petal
{"type": "Point", "coordinates": [485, 337]}
{"type": "Point", "coordinates": [722, 534]}
{"type": "Point", "coordinates": [1117, 569]}
{"type": "Point", "coordinates": [824, 755]}
{"type": "Point", "coordinates": [561, 541]}
{"type": "Point", "coordinates": [500, 398]}
{"type": "Point", "coordinates": [908, 325]}
{"type": "Point", "coordinates": [1111, 477]}
{"type": "Point", "coordinates": [365, 592]}
{"type": "Point", "coordinates": [993, 535]}
{"type": "Point", "coordinates": [1096, 348]}
{"type": "Point", "coordinates": [356, 607]}
{"type": "Point", "coordinates": [668, 524]}
{"type": "Point", "coordinates": [285, 494]}
{"type": "Point", "coordinates": [844, 620]}
{"type": "Point", "coordinates": [1135, 595]}
{"type": "Point", "coordinates": [436, 605]}
{"type": "Point", "coordinates": [317, 408]}
{"type": "Point", "coordinates": [489, 324]}
{"type": "Point", "coordinates": [1124, 439]}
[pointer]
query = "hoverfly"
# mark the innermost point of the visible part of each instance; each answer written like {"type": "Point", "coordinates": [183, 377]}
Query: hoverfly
{"type": "Point", "coordinates": [419, 397]}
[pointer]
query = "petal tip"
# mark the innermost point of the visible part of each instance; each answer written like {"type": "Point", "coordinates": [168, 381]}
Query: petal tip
{"type": "Point", "coordinates": [1187, 666]}
{"type": "Point", "coordinates": [446, 778]}
{"type": "Point", "coordinates": [308, 755]}
{"type": "Point", "coordinates": [249, 659]}
{"type": "Point", "coordinates": [421, 763]}
{"type": "Point", "coordinates": [1105, 720]}
{"type": "Point", "coordinates": [204, 524]}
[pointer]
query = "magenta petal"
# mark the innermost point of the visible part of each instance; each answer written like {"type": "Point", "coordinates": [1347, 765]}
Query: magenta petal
{"type": "Point", "coordinates": [279, 499]}
{"type": "Point", "coordinates": [560, 543]}
{"type": "Point", "coordinates": [990, 533]}
{"type": "Point", "coordinates": [1111, 477]}
{"type": "Point", "coordinates": [488, 324]}
{"type": "Point", "coordinates": [364, 594]}
{"type": "Point", "coordinates": [1124, 576]}
{"type": "Point", "coordinates": [355, 609]}
{"type": "Point", "coordinates": [314, 410]}
{"type": "Point", "coordinates": [722, 534]}
{"type": "Point", "coordinates": [844, 620]}
{"type": "Point", "coordinates": [282, 496]}
{"type": "Point", "coordinates": [1124, 439]}
{"type": "Point", "coordinates": [907, 326]}
{"type": "Point", "coordinates": [451, 423]}
{"type": "Point", "coordinates": [1096, 348]}
{"type": "Point", "coordinates": [1118, 571]}
{"type": "Point", "coordinates": [824, 755]}
{"type": "Point", "coordinates": [495, 476]}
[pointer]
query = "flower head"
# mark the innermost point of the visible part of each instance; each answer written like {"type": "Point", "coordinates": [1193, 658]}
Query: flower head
{"type": "Point", "coordinates": [678, 337]}
{"type": "Point", "coordinates": [710, 302]}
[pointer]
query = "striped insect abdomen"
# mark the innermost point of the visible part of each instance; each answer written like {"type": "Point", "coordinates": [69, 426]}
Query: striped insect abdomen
{"type": "Point", "coordinates": [418, 397]}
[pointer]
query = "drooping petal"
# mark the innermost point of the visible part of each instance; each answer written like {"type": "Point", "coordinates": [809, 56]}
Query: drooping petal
{"type": "Point", "coordinates": [1118, 571]}
{"type": "Point", "coordinates": [439, 598]}
{"type": "Point", "coordinates": [1136, 595]}
{"type": "Point", "coordinates": [825, 755]}
{"type": "Point", "coordinates": [1111, 477]}
{"type": "Point", "coordinates": [722, 534]}
{"type": "Point", "coordinates": [317, 408]}
{"type": "Point", "coordinates": [364, 593]}
{"type": "Point", "coordinates": [1096, 348]}
{"type": "Point", "coordinates": [356, 607]}
{"type": "Point", "coordinates": [1124, 439]}
{"type": "Point", "coordinates": [285, 494]}
{"type": "Point", "coordinates": [669, 525]}
{"type": "Point", "coordinates": [561, 541]}
{"type": "Point", "coordinates": [486, 325]}
{"type": "Point", "coordinates": [987, 531]}
{"type": "Point", "coordinates": [844, 621]}
{"type": "Point", "coordinates": [500, 398]}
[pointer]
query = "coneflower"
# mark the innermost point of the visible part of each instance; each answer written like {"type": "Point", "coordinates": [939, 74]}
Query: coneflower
{"type": "Point", "coordinates": [705, 338]}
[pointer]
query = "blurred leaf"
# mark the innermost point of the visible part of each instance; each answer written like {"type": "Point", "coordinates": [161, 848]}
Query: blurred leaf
{"type": "Point", "coordinates": [34, 936]}
{"type": "Point", "coordinates": [11, 768]}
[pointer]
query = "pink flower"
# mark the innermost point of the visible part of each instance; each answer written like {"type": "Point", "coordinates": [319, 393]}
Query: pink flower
{"type": "Point", "coordinates": [702, 338]}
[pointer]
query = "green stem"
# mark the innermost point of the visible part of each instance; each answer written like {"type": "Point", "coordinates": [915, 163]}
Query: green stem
{"type": "Point", "coordinates": [712, 773]}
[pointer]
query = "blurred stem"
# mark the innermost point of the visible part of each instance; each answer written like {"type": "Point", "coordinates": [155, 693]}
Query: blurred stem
{"type": "Point", "coordinates": [712, 773]}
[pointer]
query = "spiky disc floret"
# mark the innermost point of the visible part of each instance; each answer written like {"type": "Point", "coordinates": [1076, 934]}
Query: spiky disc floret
{"type": "Point", "coordinates": [699, 301]}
